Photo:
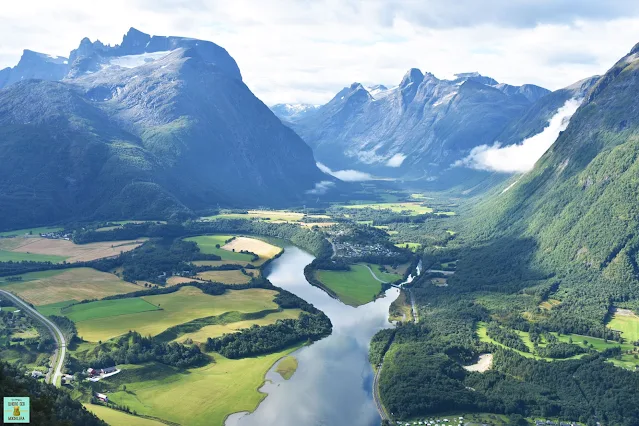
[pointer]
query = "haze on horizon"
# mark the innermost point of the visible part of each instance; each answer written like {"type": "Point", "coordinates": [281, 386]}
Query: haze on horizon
{"type": "Point", "coordinates": [300, 51]}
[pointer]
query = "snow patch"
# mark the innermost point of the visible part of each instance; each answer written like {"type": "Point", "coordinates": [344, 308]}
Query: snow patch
{"type": "Point", "coordinates": [445, 99]}
{"type": "Point", "coordinates": [132, 61]}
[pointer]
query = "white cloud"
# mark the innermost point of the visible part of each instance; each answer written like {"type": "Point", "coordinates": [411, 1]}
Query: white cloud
{"type": "Point", "coordinates": [346, 175]}
{"type": "Point", "coordinates": [321, 187]}
{"type": "Point", "coordinates": [521, 157]}
{"type": "Point", "coordinates": [292, 51]}
{"type": "Point", "coordinates": [396, 160]}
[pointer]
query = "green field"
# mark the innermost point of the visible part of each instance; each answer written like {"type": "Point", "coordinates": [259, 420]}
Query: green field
{"type": "Point", "coordinates": [10, 256]}
{"type": "Point", "coordinates": [31, 231]}
{"type": "Point", "coordinates": [54, 308]}
{"type": "Point", "coordinates": [627, 323]}
{"type": "Point", "coordinates": [186, 304]}
{"type": "Point", "coordinates": [414, 247]}
{"type": "Point", "coordinates": [119, 418]}
{"type": "Point", "coordinates": [207, 245]}
{"type": "Point", "coordinates": [199, 396]}
{"type": "Point", "coordinates": [597, 344]}
{"type": "Point", "coordinates": [287, 367]}
{"type": "Point", "coordinates": [107, 308]}
{"type": "Point", "coordinates": [355, 287]}
{"type": "Point", "coordinates": [409, 208]}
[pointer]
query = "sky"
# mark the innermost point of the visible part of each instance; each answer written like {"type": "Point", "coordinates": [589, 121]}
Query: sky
{"type": "Point", "coordinates": [305, 51]}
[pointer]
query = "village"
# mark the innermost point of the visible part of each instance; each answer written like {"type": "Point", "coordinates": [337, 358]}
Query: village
{"type": "Point", "coordinates": [460, 422]}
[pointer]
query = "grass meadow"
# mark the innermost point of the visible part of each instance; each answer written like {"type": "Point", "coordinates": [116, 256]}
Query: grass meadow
{"type": "Point", "coordinates": [357, 286]}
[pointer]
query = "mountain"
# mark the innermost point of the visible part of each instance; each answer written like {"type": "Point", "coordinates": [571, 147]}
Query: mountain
{"type": "Point", "coordinates": [415, 130]}
{"type": "Point", "coordinates": [291, 112]}
{"type": "Point", "coordinates": [574, 216]}
{"type": "Point", "coordinates": [35, 65]}
{"type": "Point", "coordinates": [152, 127]}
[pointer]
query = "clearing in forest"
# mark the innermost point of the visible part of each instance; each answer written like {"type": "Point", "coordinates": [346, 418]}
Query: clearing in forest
{"type": "Point", "coordinates": [627, 322]}
{"type": "Point", "coordinates": [54, 286]}
{"type": "Point", "coordinates": [186, 304]}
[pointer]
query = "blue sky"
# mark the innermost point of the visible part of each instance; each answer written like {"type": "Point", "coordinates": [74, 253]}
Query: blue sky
{"type": "Point", "coordinates": [307, 50]}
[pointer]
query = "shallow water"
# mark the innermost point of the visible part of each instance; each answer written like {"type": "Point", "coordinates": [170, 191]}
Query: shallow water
{"type": "Point", "coordinates": [333, 382]}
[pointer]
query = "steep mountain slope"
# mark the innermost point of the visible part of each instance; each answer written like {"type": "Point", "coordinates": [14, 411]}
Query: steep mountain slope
{"type": "Point", "coordinates": [35, 65]}
{"type": "Point", "coordinates": [577, 210]}
{"type": "Point", "coordinates": [415, 130]}
{"type": "Point", "coordinates": [144, 136]}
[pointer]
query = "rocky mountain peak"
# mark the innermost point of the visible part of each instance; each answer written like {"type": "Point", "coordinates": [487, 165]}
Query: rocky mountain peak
{"type": "Point", "coordinates": [413, 75]}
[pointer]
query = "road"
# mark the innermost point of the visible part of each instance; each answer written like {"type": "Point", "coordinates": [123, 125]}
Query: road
{"type": "Point", "coordinates": [376, 397]}
{"type": "Point", "coordinates": [61, 350]}
{"type": "Point", "coordinates": [375, 276]}
{"type": "Point", "coordinates": [439, 271]}
{"type": "Point", "coordinates": [413, 306]}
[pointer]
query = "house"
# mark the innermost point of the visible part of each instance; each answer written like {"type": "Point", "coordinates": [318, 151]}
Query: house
{"type": "Point", "coordinates": [109, 370]}
{"type": "Point", "coordinates": [92, 372]}
{"type": "Point", "coordinates": [37, 374]}
{"type": "Point", "coordinates": [66, 379]}
{"type": "Point", "coordinates": [102, 397]}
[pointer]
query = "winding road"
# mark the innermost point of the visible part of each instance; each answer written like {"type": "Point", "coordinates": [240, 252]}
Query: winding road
{"type": "Point", "coordinates": [376, 397]}
{"type": "Point", "coordinates": [61, 349]}
{"type": "Point", "coordinates": [375, 276]}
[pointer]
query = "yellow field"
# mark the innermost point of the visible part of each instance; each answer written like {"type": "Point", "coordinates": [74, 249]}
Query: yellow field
{"type": "Point", "coordinates": [201, 396]}
{"type": "Point", "coordinates": [549, 304]}
{"type": "Point", "coordinates": [226, 277]}
{"type": "Point", "coordinates": [73, 252]}
{"type": "Point", "coordinates": [187, 304]}
{"type": "Point", "coordinates": [218, 330]}
{"type": "Point", "coordinates": [118, 418]}
{"type": "Point", "coordinates": [45, 287]}
{"type": "Point", "coordinates": [174, 280]}
{"type": "Point", "coordinates": [220, 262]}
{"type": "Point", "coordinates": [261, 248]}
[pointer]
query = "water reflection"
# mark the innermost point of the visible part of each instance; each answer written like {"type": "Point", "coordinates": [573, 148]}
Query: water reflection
{"type": "Point", "coordinates": [333, 382]}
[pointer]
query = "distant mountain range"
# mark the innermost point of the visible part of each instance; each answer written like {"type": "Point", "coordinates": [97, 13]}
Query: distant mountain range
{"type": "Point", "coordinates": [151, 127]}
{"type": "Point", "coordinates": [420, 128]}
{"type": "Point", "coordinates": [290, 112]}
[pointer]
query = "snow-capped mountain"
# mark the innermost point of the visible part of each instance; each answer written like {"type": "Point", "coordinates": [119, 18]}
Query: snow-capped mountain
{"type": "Point", "coordinates": [416, 129]}
{"type": "Point", "coordinates": [290, 112]}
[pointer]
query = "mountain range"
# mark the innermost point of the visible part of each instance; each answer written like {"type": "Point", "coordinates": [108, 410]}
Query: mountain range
{"type": "Point", "coordinates": [152, 127]}
{"type": "Point", "coordinates": [419, 129]}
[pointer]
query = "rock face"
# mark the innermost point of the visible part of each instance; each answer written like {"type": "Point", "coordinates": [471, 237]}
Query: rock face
{"type": "Point", "coordinates": [152, 127]}
{"type": "Point", "coordinates": [35, 65]}
{"type": "Point", "coordinates": [417, 129]}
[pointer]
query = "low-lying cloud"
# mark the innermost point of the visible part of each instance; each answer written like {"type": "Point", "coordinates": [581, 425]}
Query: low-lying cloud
{"type": "Point", "coordinates": [522, 157]}
{"type": "Point", "coordinates": [396, 160]}
{"type": "Point", "coordinates": [346, 175]}
{"type": "Point", "coordinates": [321, 187]}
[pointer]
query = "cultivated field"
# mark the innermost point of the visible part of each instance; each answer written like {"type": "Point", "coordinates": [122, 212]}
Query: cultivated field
{"type": "Point", "coordinates": [67, 250]}
{"type": "Point", "coordinates": [47, 287]}
{"type": "Point", "coordinates": [199, 396]}
{"type": "Point", "coordinates": [261, 248]}
{"type": "Point", "coordinates": [410, 207]}
{"type": "Point", "coordinates": [208, 245]}
{"type": "Point", "coordinates": [220, 329]}
{"type": "Point", "coordinates": [226, 277]}
{"type": "Point", "coordinates": [414, 247]}
{"type": "Point", "coordinates": [107, 309]}
{"type": "Point", "coordinates": [119, 418]}
{"type": "Point", "coordinates": [355, 287]}
{"type": "Point", "coordinates": [187, 304]}
{"type": "Point", "coordinates": [627, 322]}
{"type": "Point", "coordinates": [174, 280]}
{"type": "Point", "coordinates": [220, 262]}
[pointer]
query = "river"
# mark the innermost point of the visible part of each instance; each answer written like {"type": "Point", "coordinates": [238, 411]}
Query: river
{"type": "Point", "coordinates": [333, 382]}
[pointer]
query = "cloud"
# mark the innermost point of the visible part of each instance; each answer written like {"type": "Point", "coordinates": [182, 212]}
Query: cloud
{"type": "Point", "coordinates": [521, 157]}
{"type": "Point", "coordinates": [321, 187]}
{"type": "Point", "coordinates": [346, 175]}
{"type": "Point", "coordinates": [396, 160]}
{"type": "Point", "coordinates": [293, 51]}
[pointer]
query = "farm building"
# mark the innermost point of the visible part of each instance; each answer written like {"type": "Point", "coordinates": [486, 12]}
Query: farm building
{"type": "Point", "coordinates": [102, 397]}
